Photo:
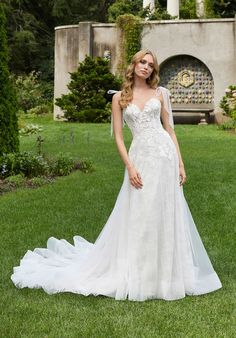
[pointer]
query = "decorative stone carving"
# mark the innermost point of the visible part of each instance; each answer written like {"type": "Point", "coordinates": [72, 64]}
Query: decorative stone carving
{"type": "Point", "coordinates": [186, 78]}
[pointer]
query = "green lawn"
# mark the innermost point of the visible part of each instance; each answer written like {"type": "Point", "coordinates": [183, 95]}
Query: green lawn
{"type": "Point", "coordinates": [81, 203]}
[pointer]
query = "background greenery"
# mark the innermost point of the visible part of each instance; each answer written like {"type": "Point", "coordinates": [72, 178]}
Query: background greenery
{"type": "Point", "coordinates": [8, 103]}
{"type": "Point", "coordinates": [31, 24]}
{"type": "Point", "coordinates": [80, 204]}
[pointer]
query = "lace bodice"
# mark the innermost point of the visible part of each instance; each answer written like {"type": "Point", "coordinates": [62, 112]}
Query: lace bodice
{"type": "Point", "coordinates": [144, 121]}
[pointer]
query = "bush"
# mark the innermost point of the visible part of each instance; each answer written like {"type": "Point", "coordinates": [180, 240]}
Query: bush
{"type": "Point", "coordinates": [33, 94]}
{"type": "Point", "coordinates": [9, 141]}
{"type": "Point", "coordinates": [27, 164]}
{"type": "Point", "coordinates": [42, 109]}
{"type": "Point", "coordinates": [86, 101]}
{"type": "Point", "coordinates": [62, 166]}
{"type": "Point", "coordinates": [16, 180]}
{"type": "Point", "coordinates": [188, 9]}
{"type": "Point", "coordinates": [228, 102]}
{"type": "Point", "coordinates": [135, 7]}
{"type": "Point", "coordinates": [228, 125]}
{"type": "Point", "coordinates": [30, 129]}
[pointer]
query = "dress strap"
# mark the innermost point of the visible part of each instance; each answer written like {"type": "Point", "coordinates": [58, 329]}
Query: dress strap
{"type": "Point", "coordinates": [167, 104]}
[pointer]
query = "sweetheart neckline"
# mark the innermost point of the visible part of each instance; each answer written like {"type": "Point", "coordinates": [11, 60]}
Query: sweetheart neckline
{"type": "Point", "coordinates": [141, 110]}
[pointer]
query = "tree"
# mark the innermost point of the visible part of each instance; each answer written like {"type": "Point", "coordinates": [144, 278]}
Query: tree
{"type": "Point", "coordinates": [86, 101]}
{"type": "Point", "coordinates": [9, 141]}
{"type": "Point", "coordinates": [31, 24]}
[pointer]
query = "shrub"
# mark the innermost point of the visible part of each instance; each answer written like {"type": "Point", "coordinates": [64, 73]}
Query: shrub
{"type": "Point", "coordinates": [30, 129]}
{"type": "Point", "coordinates": [188, 9]}
{"type": "Point", "coordinates": [26, 163]}
{"type": "Point", "coordinates": [135, 7]}
{"type": "Point", "coordinates": [33, 96]}
{"type": "Point", "coordinates": [86, 101]}
{"type": "Point", "coordinates": [228, 102]}
{"type": "Point", "coordinates": [228, 125]}
{"type": "Point", "coordinates": [16, 180]}
{"type": "Point", "coordinates": [85, 166]}
{"type": "Point", "coordinates": [62, 166]}
{"type": "Point", "coordinates": [32, 165]}
{"type": "Point", "coordinates": [42, 109]}
{"type": "Point", "coordinates": [9, 141]}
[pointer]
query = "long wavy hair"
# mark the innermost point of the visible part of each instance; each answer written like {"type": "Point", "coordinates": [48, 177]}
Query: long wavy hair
{"type": "Point", "coordinates": [127, 88]}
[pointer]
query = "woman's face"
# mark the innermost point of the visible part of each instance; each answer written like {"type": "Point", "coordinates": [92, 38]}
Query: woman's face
{"type": "Point", "coordinates": [144, 67]}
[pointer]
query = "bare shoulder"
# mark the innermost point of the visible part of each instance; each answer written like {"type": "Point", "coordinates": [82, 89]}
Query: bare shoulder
{"type": "Point", "coordinates": [116, 97]}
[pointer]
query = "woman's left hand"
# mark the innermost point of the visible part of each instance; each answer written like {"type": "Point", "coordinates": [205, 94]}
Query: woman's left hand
{"type": "Point", "coordinates": [182, 175]}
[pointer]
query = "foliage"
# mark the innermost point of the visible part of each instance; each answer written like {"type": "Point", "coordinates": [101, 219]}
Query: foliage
{"type": "Point", "coordinates": [122, 7]}
{"type": "Point", "coordinates": [30, 129]}
{"type": "Point", "coordinates": [130, 42]}
{"type": "Point", "coordinates": [86, 100]}
{"type": "Point", "coordinates": [223, 8]}
{"type": "Point", "coordinates": [28, 164]}
{"type": "Point", "coordinates": [187, 9]}
{"type": "Point", "coordinates": [85, 166]}
{"type": "Point", "coordinates": [228, 125]}
{"type": "Point", "coordinates": [16, 180]}
{"type": "Point", "coordinates": [42, 109]}
{"type": "Point", "coordinates": [62, 165]}
{"type": "Point", "coordinates": [31, 29]}
{"type": "Point", "coordinates": [228, 102]}
{"type": "Point", "coordinates": [33, 93]}
{"type": "Point", "coordinates": [135, 7]}
{"type": "Point", "coordinates": [8, 105]}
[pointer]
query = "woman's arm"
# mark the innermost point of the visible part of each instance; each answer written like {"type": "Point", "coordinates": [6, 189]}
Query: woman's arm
{"type": "Point", "coordinates": [134, 176]}
{"type": "Point", "coordinates": [169, 129]}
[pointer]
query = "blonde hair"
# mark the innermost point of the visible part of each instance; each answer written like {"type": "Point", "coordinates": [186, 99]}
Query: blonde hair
{"type": "Point", "coordinates": [127, 88]}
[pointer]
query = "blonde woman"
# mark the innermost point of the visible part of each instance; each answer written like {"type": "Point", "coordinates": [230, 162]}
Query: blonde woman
{"type": "Point", "coordinates": [149, 248]}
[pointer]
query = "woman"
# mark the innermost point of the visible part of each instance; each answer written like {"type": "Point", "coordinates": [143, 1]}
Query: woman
{"type": "Point", "coordinates": [149, 247]}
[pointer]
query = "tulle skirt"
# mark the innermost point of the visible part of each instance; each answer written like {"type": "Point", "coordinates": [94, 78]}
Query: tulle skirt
{"type": "Point", "coordinates": [148, 249]}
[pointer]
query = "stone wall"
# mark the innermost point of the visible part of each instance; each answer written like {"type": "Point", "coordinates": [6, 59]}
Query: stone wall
{"type": "Point", "coordinates": [212, 41]}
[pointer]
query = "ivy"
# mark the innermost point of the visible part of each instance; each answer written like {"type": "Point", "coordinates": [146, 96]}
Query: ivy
{"type": "Point", "coordinates": [130, 41]}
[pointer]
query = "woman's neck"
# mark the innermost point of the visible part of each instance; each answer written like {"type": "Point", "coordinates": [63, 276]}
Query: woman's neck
{"type": "Point", "coordinates": [140, 84]}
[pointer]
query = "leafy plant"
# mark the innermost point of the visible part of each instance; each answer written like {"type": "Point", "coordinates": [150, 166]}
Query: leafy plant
{"type": "Point", "coordinates": [42, 109]}
{"type": "Point", "coordinates": [33, 95]}
{"type": "Point", "coordinates": [85, 166]}
{"type": "Point", "coordinates": [62, 165]}
{"type": "Point", "coordinates": [9, 141]}
{"type": "Point", "coordinates": [187, 9]}
{"type": "Point", "coordinates": [228, 125]}
{"type": "Point", "coordinates": [228, 102]}
{"type": "Point", "coordinates": [18, 180]}
{"type": "Point", "coordinates": [30, 129]}
{"type": "Point", "coordinates": [135, 7]}
{"type": "Point", "coordinates": [86, 101]}
{"type": "Point", "coordinates": [130, 42]}
{"type": "Point", "coordinates": [28, 164]}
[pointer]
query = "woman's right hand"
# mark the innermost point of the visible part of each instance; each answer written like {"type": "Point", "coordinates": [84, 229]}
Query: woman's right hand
{"type": "Point", "coordinates": [135, 178]}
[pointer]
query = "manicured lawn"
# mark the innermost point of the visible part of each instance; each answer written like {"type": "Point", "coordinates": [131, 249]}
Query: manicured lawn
{"type": "Point", "coordinates": [81, 203]}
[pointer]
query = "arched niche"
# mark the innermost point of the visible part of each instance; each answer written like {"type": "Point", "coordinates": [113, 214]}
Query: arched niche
{"type": "Point", "coordinates": [189, 81]}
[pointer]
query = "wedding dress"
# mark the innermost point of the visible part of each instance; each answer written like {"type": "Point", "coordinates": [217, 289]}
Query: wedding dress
{"type": "Point", "coordinates": [149, 248]}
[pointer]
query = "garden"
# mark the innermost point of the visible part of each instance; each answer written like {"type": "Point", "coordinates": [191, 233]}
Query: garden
{"type": "Point", "coordinates": [62, 178]}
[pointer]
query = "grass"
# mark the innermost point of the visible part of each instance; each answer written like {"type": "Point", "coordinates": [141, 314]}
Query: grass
{"type": "Point", "coordinates": [81, 203]}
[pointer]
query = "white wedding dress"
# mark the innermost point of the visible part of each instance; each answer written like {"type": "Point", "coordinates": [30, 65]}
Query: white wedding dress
{"type": "Point", "coordinates": [149, 248]}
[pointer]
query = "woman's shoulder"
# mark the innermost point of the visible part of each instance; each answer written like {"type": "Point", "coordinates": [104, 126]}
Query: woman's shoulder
{"type": "Point", "coordinates": [161, 89]}
{"type": "Point", "coordinates": [117, 96]}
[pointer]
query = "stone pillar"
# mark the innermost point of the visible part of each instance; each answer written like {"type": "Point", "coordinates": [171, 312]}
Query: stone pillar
{"type": "Point", "coordinates": [200, 8]}
{"type": "Point", "coordinates": [85, 40]}
{"type": "Point", "coordinates": [150, 4]}
{"type": "Point", "coordinates": [173, 7]}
